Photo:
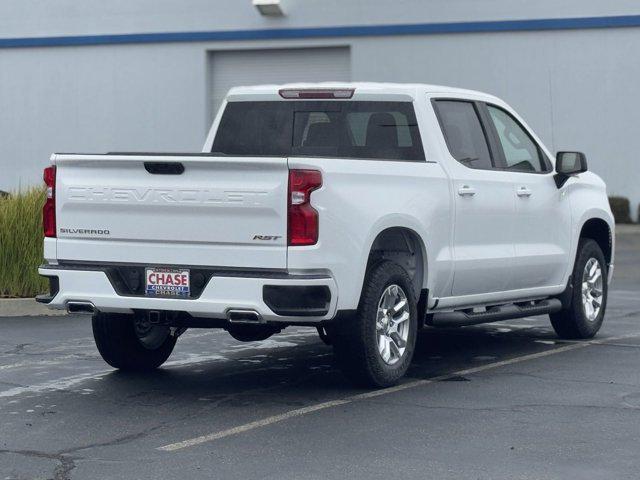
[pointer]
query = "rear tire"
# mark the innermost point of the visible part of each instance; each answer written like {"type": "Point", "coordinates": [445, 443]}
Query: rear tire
{"type": "Point", "coordinates": [375, 347]}
{"type": "Point", "coordinates": [588, 301]}
{"type": "Point", "coordinates": [126, 345]}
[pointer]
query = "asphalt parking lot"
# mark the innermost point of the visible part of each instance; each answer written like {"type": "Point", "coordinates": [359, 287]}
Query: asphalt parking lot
{"type": "Point", "coordinates": [506, 400]}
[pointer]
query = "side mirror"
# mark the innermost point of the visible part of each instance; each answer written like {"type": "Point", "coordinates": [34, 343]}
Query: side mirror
{"type": "Point", "coordinates": [567, 164]}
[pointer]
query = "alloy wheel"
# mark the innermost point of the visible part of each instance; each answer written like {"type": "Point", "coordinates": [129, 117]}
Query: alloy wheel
{"type": "Point", "coordinates": [392, 324]}
{"type": "Point", "coordinates": [592, 283]}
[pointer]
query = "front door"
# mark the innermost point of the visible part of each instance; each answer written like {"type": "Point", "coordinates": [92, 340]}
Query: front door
{"type": "Point", "coordinates": [542, 227]}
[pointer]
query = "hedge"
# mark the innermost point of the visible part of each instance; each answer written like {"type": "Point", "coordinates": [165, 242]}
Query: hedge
{"type": "Point", "coordinates": [621, 209]}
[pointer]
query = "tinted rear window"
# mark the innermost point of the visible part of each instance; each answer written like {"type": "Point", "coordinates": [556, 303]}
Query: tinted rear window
{"type": "Point", "coordinates": [367, 130]}
{"type": "Point", "coordinates": [463, 133]}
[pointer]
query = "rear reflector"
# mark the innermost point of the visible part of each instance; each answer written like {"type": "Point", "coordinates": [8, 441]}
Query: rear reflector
{"type": "Point", "coordinates": [49, 208]}
{"type": "Point", "coordinates": [310, 93]}
{"type": "Point", "coordinates": [302, 217]}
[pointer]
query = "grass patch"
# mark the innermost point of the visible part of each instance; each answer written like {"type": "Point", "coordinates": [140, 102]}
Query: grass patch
{"type": "Point", "coordinates": [21, 244]}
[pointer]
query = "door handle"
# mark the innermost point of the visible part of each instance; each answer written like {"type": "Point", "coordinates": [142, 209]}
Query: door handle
{"type": "Point", "coordinates": [523, 192]}
{"type": "Point", "coordinates": [466, 191]}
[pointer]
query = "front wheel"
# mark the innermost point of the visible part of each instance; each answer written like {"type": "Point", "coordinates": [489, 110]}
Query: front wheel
{"type": "Point", "coordinates": [584, 315]}
{"type": "Point", "coordinates": [129, 342]}
{"type": "Point", "coordinates": [375, 347]}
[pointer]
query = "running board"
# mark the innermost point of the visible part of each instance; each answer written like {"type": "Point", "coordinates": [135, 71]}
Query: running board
{"type": "Point", "coordinates": [462, 318]}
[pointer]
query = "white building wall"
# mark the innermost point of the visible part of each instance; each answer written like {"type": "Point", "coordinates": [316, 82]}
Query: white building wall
{"type": "Point", "coordinates": [96, 99]}
{"type": "Point", "coordinates": [19, 18]}
{"type": "Point", "coordinates": [577, 88]}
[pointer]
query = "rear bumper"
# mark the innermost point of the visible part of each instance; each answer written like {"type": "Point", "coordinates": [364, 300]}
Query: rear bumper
{"type": "Point", "coordinates": [221, 294]}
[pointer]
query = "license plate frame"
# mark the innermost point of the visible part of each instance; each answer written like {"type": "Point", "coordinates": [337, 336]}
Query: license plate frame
{"type": "Point", "coordinates": [167, 282]}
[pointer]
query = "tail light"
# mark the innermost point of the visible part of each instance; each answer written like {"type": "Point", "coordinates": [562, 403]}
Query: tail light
{"type": "Point", "coordinates": [49, 209]}
{"type": "Point", "coordinates": [302, 217]}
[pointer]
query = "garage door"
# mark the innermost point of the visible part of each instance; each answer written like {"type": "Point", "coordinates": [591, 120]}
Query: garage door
{"type": "Point", "coordinates": [252, 67]}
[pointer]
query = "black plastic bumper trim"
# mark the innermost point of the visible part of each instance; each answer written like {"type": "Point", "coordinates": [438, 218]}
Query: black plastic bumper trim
{"type": "Point", "coordinates": [54, 288]}
{"type": "Point", "coordinates": [297, 300]}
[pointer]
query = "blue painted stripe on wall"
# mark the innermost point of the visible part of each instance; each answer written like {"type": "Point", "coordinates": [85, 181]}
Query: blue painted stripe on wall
{"type": "Point", "coordinates": [323, 32]}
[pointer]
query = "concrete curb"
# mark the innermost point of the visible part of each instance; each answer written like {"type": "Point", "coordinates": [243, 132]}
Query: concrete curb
{"type": "Point", "coordinates": [25, 307]}
{"type": "Point", "coordinates": [627, 228]}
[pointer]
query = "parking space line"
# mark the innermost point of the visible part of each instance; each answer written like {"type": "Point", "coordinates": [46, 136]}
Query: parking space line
{"type": "Point", "coordinates": [40, 363]}
{"type": "Point", "coordinates": [172, 447]}
{"type": "Point", "coordinates": [59, 384]}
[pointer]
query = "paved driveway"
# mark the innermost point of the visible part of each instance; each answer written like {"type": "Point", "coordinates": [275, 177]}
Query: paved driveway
{"type": "Point", "coordinates": [506, 400]}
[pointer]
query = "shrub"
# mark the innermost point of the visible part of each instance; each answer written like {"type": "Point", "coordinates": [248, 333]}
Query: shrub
{"type": "Point", "coordinates": [21, 243]}
{"type": "Point", "coordinates": [621, 209]}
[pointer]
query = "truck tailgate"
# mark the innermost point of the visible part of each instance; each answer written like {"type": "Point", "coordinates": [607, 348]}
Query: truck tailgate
{"type": "Point", "coordinates": [126, 208]}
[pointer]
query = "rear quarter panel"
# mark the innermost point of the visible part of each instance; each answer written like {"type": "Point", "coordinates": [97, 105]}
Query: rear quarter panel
{"type": "Point", "coordinates": [361, 198]}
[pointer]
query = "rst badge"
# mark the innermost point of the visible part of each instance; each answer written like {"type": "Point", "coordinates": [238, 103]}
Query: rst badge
{"type": "Point", "coordinates": [165, 282]}
{"type": "Point", "coordinates": [267, 238]}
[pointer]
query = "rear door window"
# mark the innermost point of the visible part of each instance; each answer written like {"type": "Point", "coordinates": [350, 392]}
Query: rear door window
{"type": "Point", "coordinates": [353, 129]}
{"type": "Point", "coordinates": [463, 133]}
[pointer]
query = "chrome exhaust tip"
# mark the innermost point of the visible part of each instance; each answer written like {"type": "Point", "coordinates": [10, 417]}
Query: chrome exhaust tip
{"type": "Point", "coordinates": [84, 308]}
{"type": "Point", "coordinates": [244, 316]}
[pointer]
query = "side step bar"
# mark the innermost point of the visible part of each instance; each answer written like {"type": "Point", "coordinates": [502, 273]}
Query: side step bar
{"type": "Point", "coordinates": [461, 318]}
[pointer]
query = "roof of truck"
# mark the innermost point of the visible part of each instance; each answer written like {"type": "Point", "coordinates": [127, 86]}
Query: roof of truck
{"type": "Point", "coordinates": [361, 88]}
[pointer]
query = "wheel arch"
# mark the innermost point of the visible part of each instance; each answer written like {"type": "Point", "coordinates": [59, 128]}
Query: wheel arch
{"type": "Point", "coordinates": [601, 232]}
{"type": "Point", "coordinates": [403, 245]}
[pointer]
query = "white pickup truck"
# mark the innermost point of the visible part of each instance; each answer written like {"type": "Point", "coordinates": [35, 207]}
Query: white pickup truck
{"type": "Point", "coordinates": [365, 210]}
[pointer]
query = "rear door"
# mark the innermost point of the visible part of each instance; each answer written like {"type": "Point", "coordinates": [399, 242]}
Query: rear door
{"type": "Point", "coordinates": [172, 210]}
{"type": "Point", "coordinates": [484, 203]}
